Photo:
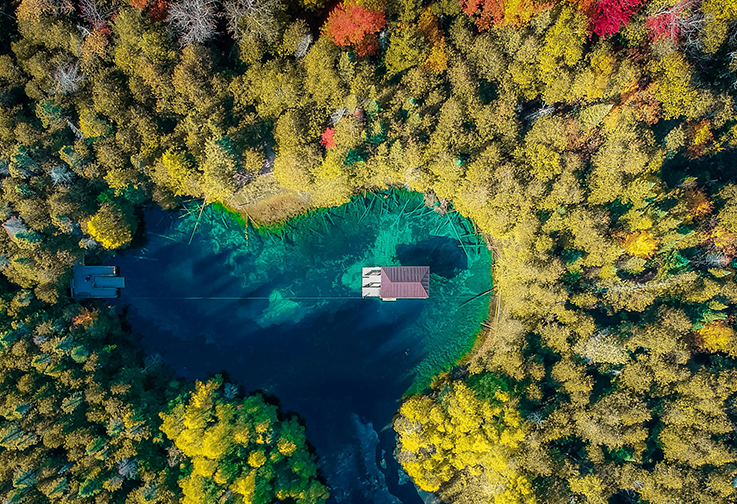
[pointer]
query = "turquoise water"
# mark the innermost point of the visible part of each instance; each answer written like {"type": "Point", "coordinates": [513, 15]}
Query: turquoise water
{"type": "Point", "coordinates": [281, 311]}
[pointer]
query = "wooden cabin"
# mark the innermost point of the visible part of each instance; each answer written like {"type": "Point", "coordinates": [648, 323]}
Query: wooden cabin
{"type": "Point", "coordinates": [390, 283]}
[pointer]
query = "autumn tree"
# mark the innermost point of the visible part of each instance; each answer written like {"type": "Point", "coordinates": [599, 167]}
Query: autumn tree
{"type": "Point", "coordinates": [113, 226]}
{"type": "Point", "coordinates": [718, 18]}
{"type": "Point", "coordinates": [407, 48]}
{"type": "Point", "coordinates": [234, 445]}
{"type": "Point", "coordinates": [487, 13]}
{"type": "Point", "coordinates": [675, 89]}
{"type": "Point", "coordinates": [610, 15]}
{"type": "Point", "coordinates": [459, 436]}
{"type": "Point", "coordinates": [350, 23]}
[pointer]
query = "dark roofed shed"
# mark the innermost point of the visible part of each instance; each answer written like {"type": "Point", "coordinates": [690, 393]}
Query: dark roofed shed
{"type": "Point", "coordinates": [96, 281]}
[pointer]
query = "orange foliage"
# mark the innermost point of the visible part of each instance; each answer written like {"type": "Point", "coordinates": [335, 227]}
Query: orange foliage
{"type": "Point", "coordinates": [327, 139]}
{"type": "Point", "coordinates": [157, 9]}
{"type": "Point", "coordinates": [698, 203]}
{"type": "Point", "coordinates": [94, 46]}
{"type": "Point", "coordinates": [646, 107]}
{"type": "Point", "coordinates": [353, 24]}
{"type": "Point", "coordinates": [487, 13]}
{"type": "Point", "coordinates": [85, 318]}
{"type": "Point", "coordinates": [585, 6]}
{"type": "Point", "coordinates": [427, 25]}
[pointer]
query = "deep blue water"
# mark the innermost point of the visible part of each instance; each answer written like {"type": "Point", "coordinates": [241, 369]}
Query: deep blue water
{"type": "Point", "coordinates": [282, 313]}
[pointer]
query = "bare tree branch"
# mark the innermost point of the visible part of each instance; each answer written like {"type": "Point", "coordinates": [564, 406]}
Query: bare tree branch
{"type": "Point", "coordinates": [68, 78]}
{"type": "Point", "coordinates": [303, 46]}
{"type": "Point", "coordinates": [684, 20]}
{"type": "Point", "coordinates": [95, 14]}
{"type": "Point", "coordinates": [64, 7]}
{"type": "Point", "coordinates": [193, 20]}
{"type": "Point", "coordinates": [128, 468]}
{"type": "Point", "coordinates": [60, 175]}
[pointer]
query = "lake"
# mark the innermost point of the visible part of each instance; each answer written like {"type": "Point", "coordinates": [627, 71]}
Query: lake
{"type": "Point", "coordinates": [281, 311]}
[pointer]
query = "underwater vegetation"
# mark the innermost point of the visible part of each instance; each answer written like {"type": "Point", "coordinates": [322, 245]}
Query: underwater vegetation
{"type": "Point", "coordinates": [591, 141]}
{"type": "Point", "coordinates": [280, 309]}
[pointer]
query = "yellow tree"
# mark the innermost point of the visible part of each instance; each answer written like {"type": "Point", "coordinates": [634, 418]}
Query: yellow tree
{"type": "Point", "coordinates": [218, 169]}
{"type": "Point", "coordinates": [239, 446]}
{"type": "Point", "coordinates": [111, 226]}
{"type": "Point", "coordinates": [456, 435]}
{"type": "Point", "coordinates": [719, 16]}
{"type": "Point", "coordinates": [674, 89]}
{"type": "Point", "coordinates": [561, 50]}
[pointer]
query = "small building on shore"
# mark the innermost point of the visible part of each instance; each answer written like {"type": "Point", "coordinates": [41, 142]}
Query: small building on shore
{"type": "Point", "coordinates": [96, 282]}
{"type": "Point", "coordinates": [390, 283]}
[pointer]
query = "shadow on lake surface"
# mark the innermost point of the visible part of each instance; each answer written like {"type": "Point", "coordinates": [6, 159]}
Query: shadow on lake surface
{"type": "Point", "coordinates": [283, 313]}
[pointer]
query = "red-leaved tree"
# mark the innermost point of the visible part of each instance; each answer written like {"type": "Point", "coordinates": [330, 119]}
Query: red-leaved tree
{"type": "Point", "coordinates": [610, 15]}
{"type": "Point", "coordinates": [157, 9]}
{"type": "Point", "coordinates": [663, 25]}
{"type": "Point", "coordinates": [327, 139]}
{"type": "Point", "coordinates": [351, 24]}
{"type": "Point", "coordinates": [674, 21]}
{"type": "Point", "coordinates": [484, 13]}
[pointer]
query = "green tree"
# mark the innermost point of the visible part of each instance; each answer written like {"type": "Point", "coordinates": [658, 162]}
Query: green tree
{"type": "Point", "coordinates": [78, 410]}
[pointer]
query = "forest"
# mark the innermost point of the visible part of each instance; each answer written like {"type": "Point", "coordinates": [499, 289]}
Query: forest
{"type": "Point", "coordinates": [592, 142]}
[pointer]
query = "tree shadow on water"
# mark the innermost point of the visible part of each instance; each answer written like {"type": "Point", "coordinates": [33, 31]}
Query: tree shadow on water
{"type": "Point", "coordinates": [443, 254]}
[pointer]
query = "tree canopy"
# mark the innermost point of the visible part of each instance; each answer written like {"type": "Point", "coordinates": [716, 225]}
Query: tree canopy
{"type": "Point", "coordinates": [591, 142]}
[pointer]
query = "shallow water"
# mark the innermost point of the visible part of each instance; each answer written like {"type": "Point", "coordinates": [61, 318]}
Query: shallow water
{"type": "Point", "coordinates": [282, 312]}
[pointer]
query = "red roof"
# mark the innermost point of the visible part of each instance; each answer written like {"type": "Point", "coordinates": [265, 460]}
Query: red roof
{"type": "Point", "coordinates": [405, 282]}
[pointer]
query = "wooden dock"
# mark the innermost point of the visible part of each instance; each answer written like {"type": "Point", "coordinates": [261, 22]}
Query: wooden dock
{"type": "Point", "coordinates": [371, 282]}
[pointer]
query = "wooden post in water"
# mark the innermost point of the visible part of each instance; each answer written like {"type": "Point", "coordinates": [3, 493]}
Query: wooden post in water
{"type": "Point", "coordinates": [202, 208]}
{"type": "Point", "coordinates": [396, 223]}
{"type": "Point", "coordinates": [368, 207]}
{"type": "Point", "coordinates": [458, 236]}
{"type": "Point", "coordinates": [476, 296]}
